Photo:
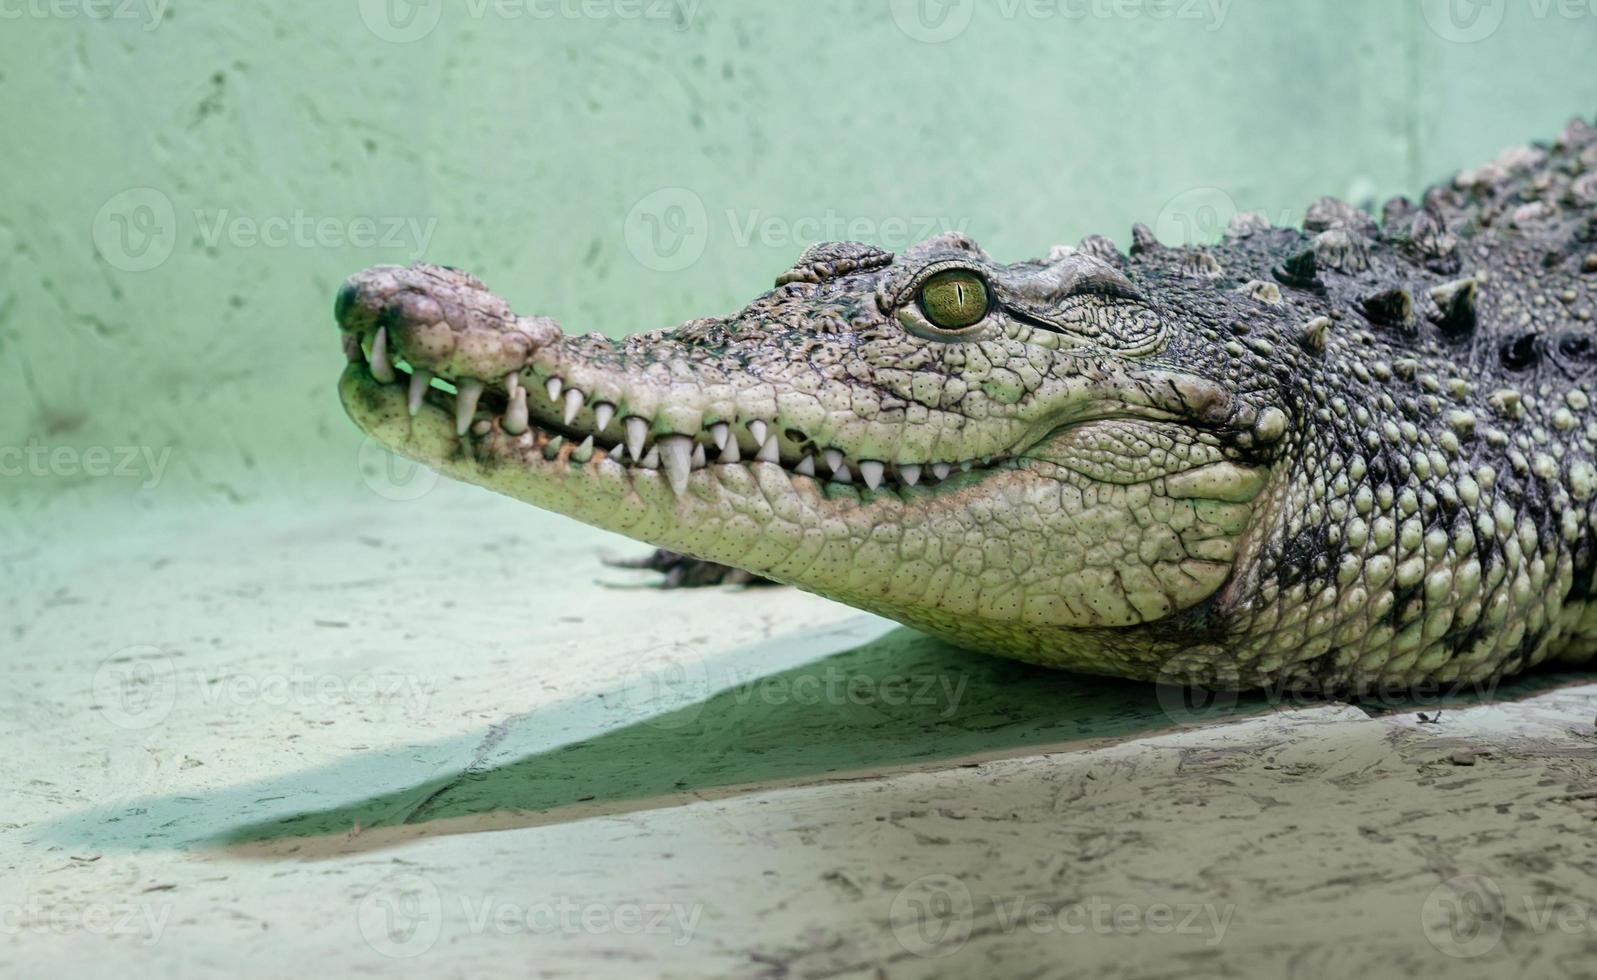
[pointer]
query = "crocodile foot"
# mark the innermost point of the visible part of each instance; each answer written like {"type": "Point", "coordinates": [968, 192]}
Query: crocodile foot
{"type": "Point", "coordinates": [682, 572]}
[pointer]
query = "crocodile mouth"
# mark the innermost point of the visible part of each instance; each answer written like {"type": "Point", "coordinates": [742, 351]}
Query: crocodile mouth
{"type": "Point", "coordinates": [526, 416]}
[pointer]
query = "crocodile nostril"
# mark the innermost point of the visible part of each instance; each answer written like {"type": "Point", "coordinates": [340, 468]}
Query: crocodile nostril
{"type": "Point", "coordinates": [345, 301]}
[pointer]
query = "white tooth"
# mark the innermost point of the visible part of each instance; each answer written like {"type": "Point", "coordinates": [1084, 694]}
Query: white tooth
{"type": "Point", "coordinates": [941, 470]}
{"type": "Point", "coordinates": [382, 369]}
{"type": "Point", "coordinates": [466, 403]}
{"type": "Point", "coordinates": [966, 465]}
{"type": "Point", "coordinates": [553, 387]}
{"type": "Point", "coordinates": [700, 458]}
{"type": "Point", "coordinates": [871, 471]}
{"type": "Point", "coordinates": [910, 474]}
{"type": "Point", "coordinates": [637, 431]}
{"type": "Point", "coordinates": [757, 430]}
{"type": "Point", "coordinates": [603, 412]}
{"type": "Point", "coordinates": [512, 384]}
{"type": "Point", "coordinates": [987, 461]}
{"type": "Point", "coordinates": [420, 381]}
{"type": "Point", "coordinates": [834, 459]}
{"type": "Point", "coordinates": [652, 460]}
{"type": "Point", "coordinates": [806, 466]}
{"type": "Point", "coordinates": [574, 400]}
{"type": "Point", "coordinates": [730, 453]}
{"type": "Point", "coordinates": [769, 453]}
{"type": "Point", "coordinates": [515, 421]}
{"type": "Point", "coordinates": [719, 432]}
{"type": "Point", "coordinates": [553, 448]}
{"type": "Point", "coordinates": [584, 452]}
{"type": "Point", "coordinates": [842, 475]}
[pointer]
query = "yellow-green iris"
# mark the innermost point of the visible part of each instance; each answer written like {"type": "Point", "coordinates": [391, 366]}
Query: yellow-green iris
{"type": "Point", "coordinates": [955, 299]}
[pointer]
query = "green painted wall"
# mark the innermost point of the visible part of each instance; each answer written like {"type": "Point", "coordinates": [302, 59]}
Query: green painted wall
{"type": "Point", "coordinates": [188, 182]}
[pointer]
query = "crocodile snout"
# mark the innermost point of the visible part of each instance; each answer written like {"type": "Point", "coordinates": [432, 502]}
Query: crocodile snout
{"type": "Point", "coordinates": [439, 320]}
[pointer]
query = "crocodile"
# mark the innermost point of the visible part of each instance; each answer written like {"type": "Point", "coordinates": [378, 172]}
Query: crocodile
{"type": "Point", "coordinates": [1361, 452]}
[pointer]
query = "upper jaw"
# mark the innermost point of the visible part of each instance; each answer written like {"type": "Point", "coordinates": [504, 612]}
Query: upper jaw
{"type": "Point", "coordinates": [518, 376]}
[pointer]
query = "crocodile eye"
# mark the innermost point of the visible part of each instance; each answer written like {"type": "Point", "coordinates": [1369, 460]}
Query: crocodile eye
{"type": "Point", "coordinates": [955, 299]}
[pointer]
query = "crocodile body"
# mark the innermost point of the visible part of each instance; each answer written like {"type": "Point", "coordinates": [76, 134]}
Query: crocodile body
{"type": "Point", "coordinates": [1358, 453]}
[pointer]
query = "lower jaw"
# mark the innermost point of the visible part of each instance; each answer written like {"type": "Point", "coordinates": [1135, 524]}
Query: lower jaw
{"type": "Point", "coordinates": [751, 515]}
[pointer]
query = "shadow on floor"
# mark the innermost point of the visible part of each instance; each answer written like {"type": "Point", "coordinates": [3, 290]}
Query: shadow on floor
{"type": "Point", "coordinates": [899, 701]}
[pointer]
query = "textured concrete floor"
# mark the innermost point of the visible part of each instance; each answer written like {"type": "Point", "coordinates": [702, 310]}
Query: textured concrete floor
{"type": "Point", "coordinates": [422, 738]}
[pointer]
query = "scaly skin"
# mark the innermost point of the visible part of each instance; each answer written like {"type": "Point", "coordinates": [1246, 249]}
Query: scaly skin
{"type": "Point", "coordinates": [1328, 459]}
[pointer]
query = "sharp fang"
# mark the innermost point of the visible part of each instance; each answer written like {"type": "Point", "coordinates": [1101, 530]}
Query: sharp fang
{"type": "Point", "coordinates": [941, 470]}
{"type": "Point", "coordinates": [584, 452]}
{"type": "Point", "coordinates": [757, 430]}
{"type": "Point", "coordinates": [871, 471]}
{"type": "Point", "coordinates": [637, 432]}
{"type": "Point", "coordinates": [700, 458]}
{"type": "Point", "coordinates": [381, 368]}
{"type": "Point", "coordinates": [730, 453]}
{"type": "Point", "coordinates": [769, 453]}
{"type": "Point", "coordinates": [512, 384]}
{"type": "Point", "coordinates": [466, 403]}
{"type": "Point", "coordinates": [352, 351]}
{"type": "Point", "coordinates": [651, 461]}
{"type": "Point", "coordinates": [574, 400]}
{"type": "Point", "coordinates": [842, 475]}
{"type": "Point", "coordinates": [965, 466]}
{"type": "Point", "coordinates": [553, 386]}
{"type": "Point", "coordinates": [419, 383]}
{"type": "Point", "coordinates": [603, 412]}
{"type": "Point", "coordinates": [910, 474]}
{"type": "Point", "coordinates": [806, 466]}
{"type": "Point", "coordinates": [515, 421]}
{"type": "Point", "coordinates": [719, 432]}
{"type": "Point", "coordinates": [834, 459]}
{"type": "Point", "coordinates": [553, 449]}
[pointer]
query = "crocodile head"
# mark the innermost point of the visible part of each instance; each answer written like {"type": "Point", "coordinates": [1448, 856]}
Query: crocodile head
{"type": "Point", "coordinates": [1063, 460]}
